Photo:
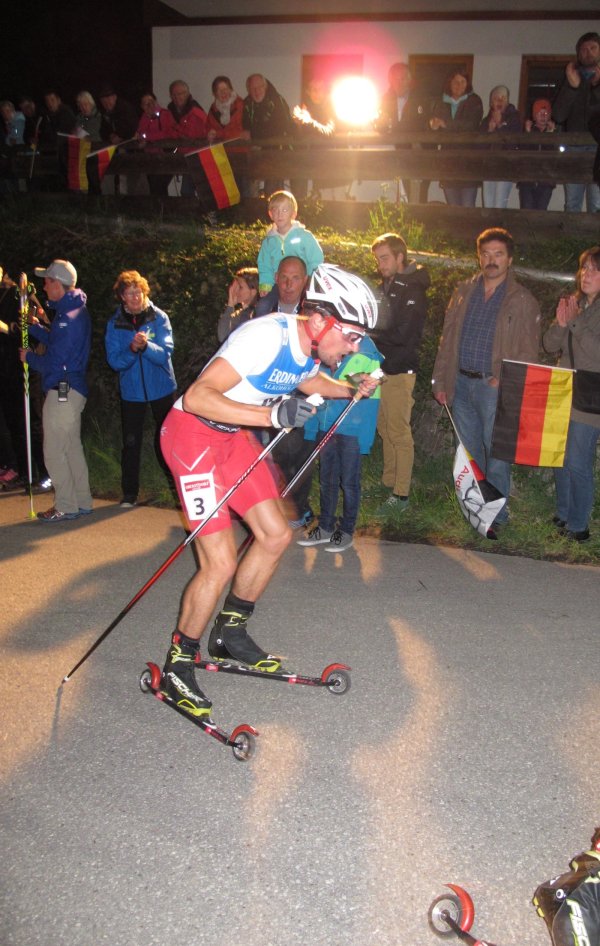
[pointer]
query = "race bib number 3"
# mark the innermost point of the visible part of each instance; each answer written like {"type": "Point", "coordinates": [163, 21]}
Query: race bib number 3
{"type": "Point", "coordinates": [199, 495]}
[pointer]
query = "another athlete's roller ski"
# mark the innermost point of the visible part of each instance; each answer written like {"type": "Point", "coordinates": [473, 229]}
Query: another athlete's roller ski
{"type": "Point", "coordinates": [453, 914]}
{"type": "Point", "coordinates": [569, 904]}
{"type": "Point", "coordinates": [177, 687]}
{"type": "Point", "coordinates": [232, 650]}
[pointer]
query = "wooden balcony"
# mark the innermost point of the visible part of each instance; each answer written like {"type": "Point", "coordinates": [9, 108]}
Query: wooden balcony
{"type": "Point", "coordinates": [557, 158]}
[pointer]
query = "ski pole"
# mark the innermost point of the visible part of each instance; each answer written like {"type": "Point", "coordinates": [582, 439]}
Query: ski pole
{"type": "Point", "coordinates": [175, 554]}
{"type": "Point", "coordinates": [23, 317]}
{"type": "Point", "coordinates": [376, 374]}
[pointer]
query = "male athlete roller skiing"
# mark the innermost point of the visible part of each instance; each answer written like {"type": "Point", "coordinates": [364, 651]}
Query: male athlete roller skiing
{"type": "Point", "coordinates": [207, 444]}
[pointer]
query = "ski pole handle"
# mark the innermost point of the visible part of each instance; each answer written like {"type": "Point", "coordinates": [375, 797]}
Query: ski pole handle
{"type": "Point", "coordinates": [23, 310]}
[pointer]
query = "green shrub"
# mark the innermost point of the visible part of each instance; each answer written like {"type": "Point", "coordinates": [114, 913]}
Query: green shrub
{"type": "Point", "coordinates": [189, 269]}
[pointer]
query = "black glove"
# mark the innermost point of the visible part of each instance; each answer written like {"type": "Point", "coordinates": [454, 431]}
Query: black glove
{"type": "Point", "coordinates": [291, 412]}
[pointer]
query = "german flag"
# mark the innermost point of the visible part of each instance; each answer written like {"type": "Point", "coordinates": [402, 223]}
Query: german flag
{"type": "Point", "coordinates": [213, 177]}
{"type": "Point", "coordinates": [78, 150]}
{"type": "Point", "coordinates": [532, 415]}
{"type": "Point", "coordinates": [98, 161]}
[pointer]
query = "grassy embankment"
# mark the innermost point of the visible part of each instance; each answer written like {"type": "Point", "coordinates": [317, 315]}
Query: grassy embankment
{"type": "Point", "coordinates": [189, 270]}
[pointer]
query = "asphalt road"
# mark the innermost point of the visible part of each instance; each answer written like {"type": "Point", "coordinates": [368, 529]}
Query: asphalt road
{"type": "Point", "coordinates": [465, 751]}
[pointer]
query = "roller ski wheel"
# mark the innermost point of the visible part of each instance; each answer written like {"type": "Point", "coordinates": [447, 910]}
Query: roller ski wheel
{"type": "Point", "coordinates": [453, 915]}
{"type": "Point", "coordinates": [451, 912]}
{"type": "Point", "coordinates": [444, 908]}
{"type": "Point", "coordinates": [243, 738]}
{"type": "Point", "coordinates": [335, 677]}
{"type": "Point", "coordinates": [243, 743]}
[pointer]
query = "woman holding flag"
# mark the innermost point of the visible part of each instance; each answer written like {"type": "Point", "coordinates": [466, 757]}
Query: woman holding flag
{"type": "Point", "coordinates": [576, 335]}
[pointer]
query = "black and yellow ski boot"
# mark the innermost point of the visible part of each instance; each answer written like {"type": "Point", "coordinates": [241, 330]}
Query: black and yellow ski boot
{"type": "Point", "coordinates": [179, 681]}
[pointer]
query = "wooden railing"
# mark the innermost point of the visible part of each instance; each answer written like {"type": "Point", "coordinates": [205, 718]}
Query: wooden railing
{"type": "Point", "coordinates": [342, 158]}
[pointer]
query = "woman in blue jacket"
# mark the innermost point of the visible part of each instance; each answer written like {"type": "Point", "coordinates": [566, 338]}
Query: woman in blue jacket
{"type": "Point", "coordinates": [139, 343]}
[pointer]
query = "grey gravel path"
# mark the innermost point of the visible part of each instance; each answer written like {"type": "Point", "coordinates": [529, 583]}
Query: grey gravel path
{"type": "Point", "coordinates": [463, 752]}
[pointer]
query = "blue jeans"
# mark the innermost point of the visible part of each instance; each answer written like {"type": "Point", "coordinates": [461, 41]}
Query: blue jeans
{"type": "Point", "coordinates": [474, 411]}
{"type": "Point", "coordinates": [575, 480]}
{"type": "Point", "coordinates": [496, 193]}
{"type": "Point", "coordinates": [461, 196]}
{"type": "Point", "coordinates": [340, 465]}
{"type": "Point", "coordinates": [574, 194]}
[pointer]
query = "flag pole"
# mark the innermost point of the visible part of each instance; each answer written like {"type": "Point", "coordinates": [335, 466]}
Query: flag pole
{"type": "Point", "coordinates": [127, 141]}
{"type": "Point", "coordinates": [452, 422]}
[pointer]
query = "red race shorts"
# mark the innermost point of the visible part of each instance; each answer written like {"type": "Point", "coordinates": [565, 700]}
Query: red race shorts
{"type": "Point", "coordinates": [206, 463]}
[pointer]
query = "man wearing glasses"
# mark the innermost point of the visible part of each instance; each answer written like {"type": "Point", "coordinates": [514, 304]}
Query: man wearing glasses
{"type": "Point", "coordinates": [208, 447]}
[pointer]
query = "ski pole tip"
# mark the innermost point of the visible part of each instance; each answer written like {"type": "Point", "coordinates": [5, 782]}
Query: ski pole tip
{"type": "Point", "coordinates": [65, 679]}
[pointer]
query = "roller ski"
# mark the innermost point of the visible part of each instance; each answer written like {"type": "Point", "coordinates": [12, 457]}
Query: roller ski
{"type": "Point", "coordinates": [453, 915]}
{"type": "Point", "coordinates": [232, 650]}
{"type": "Point", "coordinates": [176, 686]}
{"type": "Point", "coordinates": [569, 904]}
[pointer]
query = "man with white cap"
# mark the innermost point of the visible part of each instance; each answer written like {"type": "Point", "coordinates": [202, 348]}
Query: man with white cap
{"type": "Point", "coordinates": [63, 368]}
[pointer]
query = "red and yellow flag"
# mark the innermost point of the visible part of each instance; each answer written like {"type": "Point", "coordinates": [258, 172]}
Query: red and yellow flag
{"type": "Point", "coordinates": [215, 183]}
{"type": "Point", "coordinates": [532, 415]}
{"type": "Point", "coordinates": [78, 151]}
{"type": "Point", "coordinates": [98, 161]}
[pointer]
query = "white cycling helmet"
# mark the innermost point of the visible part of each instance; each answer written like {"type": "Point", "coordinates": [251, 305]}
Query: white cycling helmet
{"type": "Point", "coordinates": [343, 295]}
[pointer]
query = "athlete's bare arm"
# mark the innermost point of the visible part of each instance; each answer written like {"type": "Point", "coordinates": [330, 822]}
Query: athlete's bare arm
{"type": "Point", "coordinates": [327, 387]}
{"type": "Point", "coordinates": [365, 384]}
{"type": "Point", "coordinates": [206, 398]}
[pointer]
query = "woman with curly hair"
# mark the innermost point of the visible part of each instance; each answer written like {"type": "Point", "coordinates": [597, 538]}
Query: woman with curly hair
{"type": "Point", "coordinates": [139, 344]}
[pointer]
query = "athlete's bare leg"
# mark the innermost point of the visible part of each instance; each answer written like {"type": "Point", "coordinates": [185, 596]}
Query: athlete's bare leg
{"type": "Point", "coordinates": [217, 554]}
{"type": "Point", "coordinates": [272, 535]}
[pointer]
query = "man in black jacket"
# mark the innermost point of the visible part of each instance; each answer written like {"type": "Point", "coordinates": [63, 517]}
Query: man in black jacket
{"type": "Point", "coordinates": [404, 108]}
{"type": "Point", "coordinates": [119, 123]}
{"type": "Point", "coordinates": [266, 115]}
{"type": "Point", "coordinates": [402, 313]}
{"type": "Point", "coordinates": [573, 107]}
{"type": "Point", "coordinates": [594, 128]}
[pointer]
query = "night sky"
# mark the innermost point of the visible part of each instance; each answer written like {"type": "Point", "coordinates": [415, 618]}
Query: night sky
{"type": "Point", "coordinates": [74, 45]}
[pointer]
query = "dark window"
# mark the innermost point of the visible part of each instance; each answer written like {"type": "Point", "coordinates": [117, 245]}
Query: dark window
{"type": "Point", "coordinates": [540, 78]}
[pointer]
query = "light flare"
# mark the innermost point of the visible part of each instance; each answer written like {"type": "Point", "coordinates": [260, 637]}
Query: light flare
{"type": "Point", "coordinates": [355, 101]}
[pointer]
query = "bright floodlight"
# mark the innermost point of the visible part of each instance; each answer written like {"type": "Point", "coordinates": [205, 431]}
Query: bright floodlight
{"type": "Point", "coordinates": [355, 101]}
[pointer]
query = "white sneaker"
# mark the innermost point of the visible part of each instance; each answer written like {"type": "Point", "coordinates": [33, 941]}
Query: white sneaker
{"type": "Point", "coordinates": [316, 536]}
{"type": "Point", "coordinates": [339, 541]}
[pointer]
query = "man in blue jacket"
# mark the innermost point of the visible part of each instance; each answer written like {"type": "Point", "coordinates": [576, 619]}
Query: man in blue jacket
{"type": "Point", "coordinates": [139, 343]}
{"type": "Point", "coordinates": [63, 367]}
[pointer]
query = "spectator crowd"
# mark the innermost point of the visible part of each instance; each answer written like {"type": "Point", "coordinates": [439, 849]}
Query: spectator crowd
{"type": "Point", "coordinates": [489, 318]}
{"type": "Point", "coordinates": [107, 118]}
